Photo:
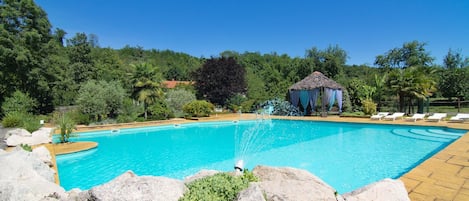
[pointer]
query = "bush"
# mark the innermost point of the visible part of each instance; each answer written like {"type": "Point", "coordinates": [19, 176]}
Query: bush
{"type": "Point", "coordinates": [235, 102]}
{"type": "Point", "coordinates": [66, 126]}
{"type": "Point", "coordinates": [160, 111]}
{"type": "Point", "coordinates": [21, 120]}
{"type": "Point", "coordinates": [198, 108]}
{"type": "Point", "coordinates": [129, 111]}
{"type": "Point", "coordinates": [13, 119]}
{"type": "Point", "coordinates": [19, 102]}
{"type": "Point", "coordinates": [176, 99]}
{"type": "Point", "coordinates": [79, 117]}
{"type": "Point", "coordinates": [221, 186]}
{"type": "Point", "coordinates": [26, 147]}
{"type": "Point", "coordinates": [31, 123]}
{"type": "Point", "coordinates": [369, 107]}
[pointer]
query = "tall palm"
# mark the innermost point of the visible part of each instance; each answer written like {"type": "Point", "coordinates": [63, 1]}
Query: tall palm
{"type": "Point", "coordinates": [146, 81]}
{"type": "Point", "coordinates": [412, 82]}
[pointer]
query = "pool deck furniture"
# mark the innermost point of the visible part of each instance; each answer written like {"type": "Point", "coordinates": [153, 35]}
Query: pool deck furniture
{"type": "Point", "coordinates": [415, 117]}
{"type": "Point", "coordinates": [437, 117]}
{"type": "Point", "coordinates": [394, 116]}
{"type": "Point", "coordinates": [460, 117]}
{"type": "Point", "coordinates": [379, 116]}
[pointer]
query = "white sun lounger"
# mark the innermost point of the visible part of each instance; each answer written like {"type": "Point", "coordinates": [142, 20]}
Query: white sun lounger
{"type": "Point", "coordinates": [460, 117]}
{"type": "Point", "coordinates": [415, 117]}
{"type": "Point", "coordinates": [379, 116]}
{"type": "Point", "coordinates": [436, 117]}
{"type": "Point", "coordinates": [394, 116]}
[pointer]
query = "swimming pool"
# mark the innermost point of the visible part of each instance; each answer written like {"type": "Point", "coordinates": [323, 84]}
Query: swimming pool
{"type": "Point", "coordinates": [345, 155]}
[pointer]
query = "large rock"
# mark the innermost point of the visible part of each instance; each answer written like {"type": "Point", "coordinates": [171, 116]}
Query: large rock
{"type": "Point", "coordinates": [17, 131]}
{"type": "Point", "coordinates": [252, 193]}
{"type": "Point", "coordinates": [43, 154]}
{"type": "Point", "coordinates": [199, 175]}
{"type": "Point", "coordinates": [24, 177]}
{"type": "Point", "coordinates": [129, 186]}
{"type": "Point", "coordinates": [16, 137]}
{"type": "Point", "coordinates": [293, 184]}
{"type": "Point", "coordinates": [384, 190]}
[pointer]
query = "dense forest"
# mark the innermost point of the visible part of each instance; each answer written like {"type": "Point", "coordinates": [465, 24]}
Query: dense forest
{"type": "Point", "coordinates": [42, 68]}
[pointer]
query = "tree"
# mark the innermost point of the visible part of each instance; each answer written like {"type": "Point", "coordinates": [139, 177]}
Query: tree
{"type": "Point", "coordinates": [79, 53]}
{"type": "Point", "coordinates": [410, 54]}
{"type": "Point", "coordinates": [413, 82]}
{"type": "Point", "coordinates": [101, 99]}
{"type": "Point", "coordinates": [176, 99]}
{"type": "Point", "coordinates": [25, 44]}
{"type": "Point", "coordinates": [219, 79]}
{"type": "Point", "coordinates": [91, 100]}
{"type": "Point", "coordinates": [454, 78]}
{"type": "Point", "coordinates": [146, 81]}
{"type": "Point", "coordinates": [329, 61]}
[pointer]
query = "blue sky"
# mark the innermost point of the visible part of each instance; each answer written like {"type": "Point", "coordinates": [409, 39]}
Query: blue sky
{"type": "Point", "coordinates": [363, 28]}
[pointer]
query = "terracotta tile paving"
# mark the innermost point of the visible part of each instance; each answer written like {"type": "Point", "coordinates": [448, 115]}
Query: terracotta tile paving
{"type": "Point", "coordinates": [443, 177]}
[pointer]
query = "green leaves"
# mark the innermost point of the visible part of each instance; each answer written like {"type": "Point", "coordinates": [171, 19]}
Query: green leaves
{"type": "Point", "coordinates": [19, 102]}
{"type": "Point", "coordinates": [219, 187]}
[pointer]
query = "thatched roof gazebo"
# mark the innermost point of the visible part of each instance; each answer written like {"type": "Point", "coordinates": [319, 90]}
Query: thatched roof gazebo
{"type": "Point", "coordinates": [308, 90]}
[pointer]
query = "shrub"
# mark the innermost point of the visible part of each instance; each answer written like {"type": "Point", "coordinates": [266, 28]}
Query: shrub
{"type": "Point", "coordinates": [26, 147]}
{"type": "Point", "coordinates": [176, 99]}
{"type": "Point", "coordinates": [221, 186]}
{"type": "Point", "coordinates": [129, 111]}
{"type": "Point", "coordinates": [79, 117]}
{"type": "Point", "coordinates": [369, 107]}
{"type": "Point", "coordinates": [31, 123]}
{"type": "Point", "coordinates": [21, 120]}
{"type": "Point", "coordinates": [235, 102]}
{"type": "Point", "coordinates": [66, 126]}
{"type": "Point", "coordinates": [19, 102]}
{"type": "Point", "coordinates": [13, 119]}
{"type": "Point", "coordinates": [100, 99]}
{"type": "Point", "coordinates": [198, 108]}
{"type": "Point", "coordinates": [160, 111]}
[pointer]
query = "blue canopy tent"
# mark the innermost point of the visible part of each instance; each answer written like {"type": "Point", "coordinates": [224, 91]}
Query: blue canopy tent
{"type": "Point", "coordinates": [307, 91]}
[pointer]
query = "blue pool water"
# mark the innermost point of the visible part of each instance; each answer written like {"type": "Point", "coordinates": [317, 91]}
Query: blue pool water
{"type": "Point", "coordinates": [345, 155]}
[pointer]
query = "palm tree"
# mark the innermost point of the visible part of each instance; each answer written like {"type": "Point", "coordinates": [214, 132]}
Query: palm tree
{"type": "Point", "coordinates": [146, 83]}
{"type": "Point", "coordinates": [412, 82]}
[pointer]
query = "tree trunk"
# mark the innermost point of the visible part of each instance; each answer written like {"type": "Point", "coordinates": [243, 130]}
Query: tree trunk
{"type": "Point", "coordinates": [401, 103]}
{"type": "Point", "coordinates": [145, 108]}
{"type": "Point", "coordinates": [459, 104]}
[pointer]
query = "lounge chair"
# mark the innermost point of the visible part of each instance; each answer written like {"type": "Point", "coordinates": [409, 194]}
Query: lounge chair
{"type": "Point", "coordinates": [394, 116]}
{"type": "Point", "coordinates": [379, 116]}
{"type": "Point", "coordinates": [415, 117]}
{"type": "Point", "coordinates": [436, 117]}
{"type": "Point", "coordinates": [460, 117]}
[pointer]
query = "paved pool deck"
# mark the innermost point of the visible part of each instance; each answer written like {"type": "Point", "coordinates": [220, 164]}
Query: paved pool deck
{"type": "Point", "coordinates": [443, 177]}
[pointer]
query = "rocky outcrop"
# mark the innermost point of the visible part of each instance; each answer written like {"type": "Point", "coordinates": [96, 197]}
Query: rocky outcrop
{"type": "Point", "coordinates": [129, 186]}
{"type": "Point", "coordinates": [252, 193]}
{"type": "Point", "coordinates": [292, 184]}
{"type": "Point", "coordinates": [17, 136]}
{"type": "Point", "coordinates": [384, 190]}
{"type": "Point", "coordinates": [43, 154]}
{"type": "Point", "coordinates": [24, 177]}
{"type": "Point", "coordinates": [199, 175]}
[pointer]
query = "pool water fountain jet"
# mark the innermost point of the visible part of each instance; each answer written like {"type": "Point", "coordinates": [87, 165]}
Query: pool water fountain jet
{"type": "Point", "coordinates": [253, 139]}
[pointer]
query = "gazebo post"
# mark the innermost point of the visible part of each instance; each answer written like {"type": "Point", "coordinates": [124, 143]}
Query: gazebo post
{"type": "Point", "coordinates": [323, 107]}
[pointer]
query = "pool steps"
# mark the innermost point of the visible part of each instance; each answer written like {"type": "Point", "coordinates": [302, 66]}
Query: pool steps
{"type": "Point", "coordinates": [429, 134]}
